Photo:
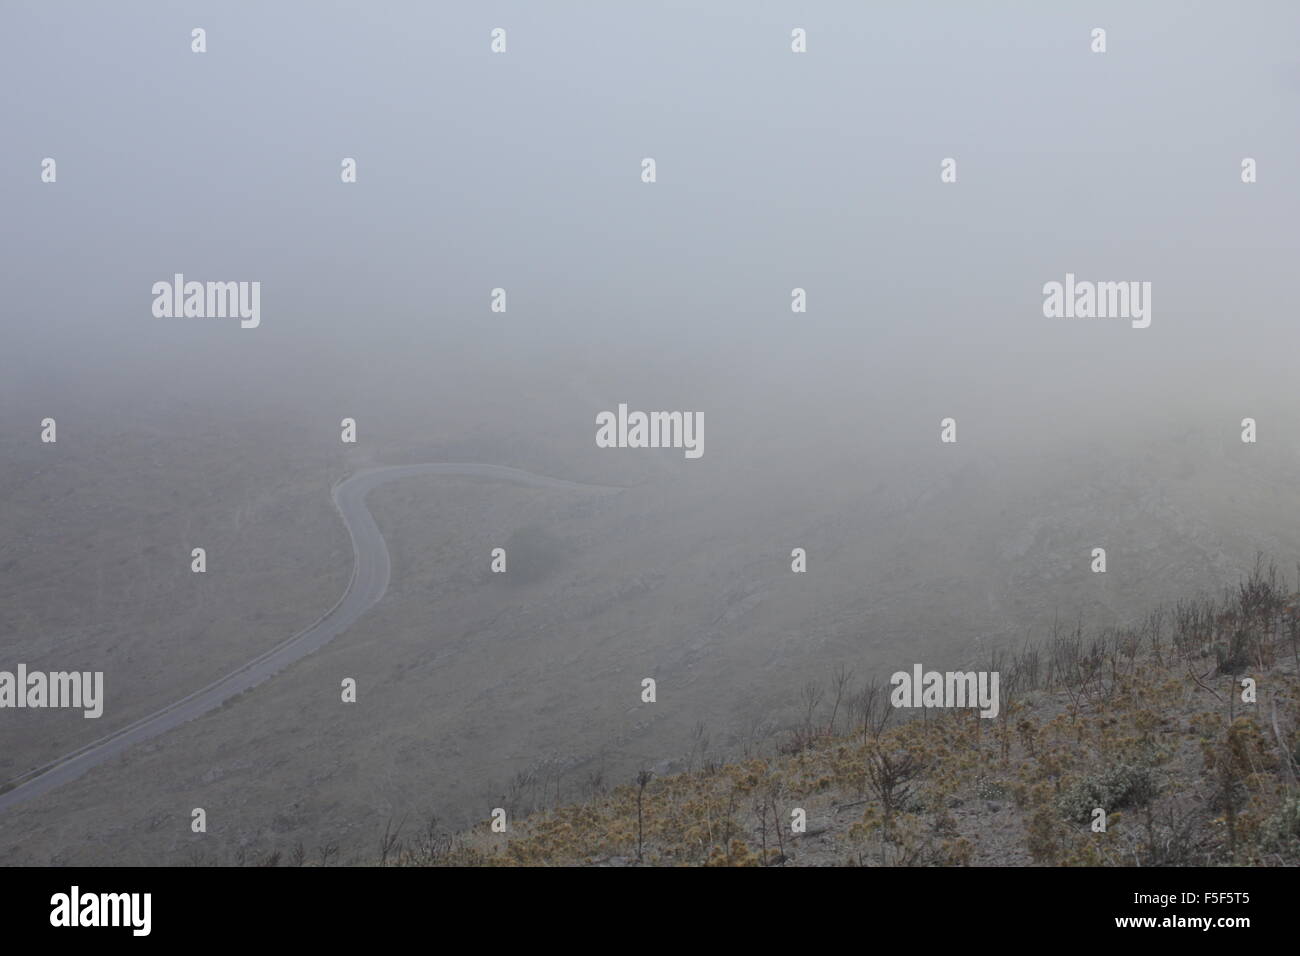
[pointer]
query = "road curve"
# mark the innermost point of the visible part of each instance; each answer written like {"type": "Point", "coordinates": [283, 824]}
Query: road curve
{"type": "Point", "coordinates": [370, 571]}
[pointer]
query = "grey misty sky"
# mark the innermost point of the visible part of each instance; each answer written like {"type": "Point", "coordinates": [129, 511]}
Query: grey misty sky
{"type": "Point", "coordinates": [775, 170]}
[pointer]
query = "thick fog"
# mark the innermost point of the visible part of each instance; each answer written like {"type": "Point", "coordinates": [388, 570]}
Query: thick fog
{"type": "Point", "coordinates": [775, 171]}
{"type": "Point", "coordinates": [916, 178]}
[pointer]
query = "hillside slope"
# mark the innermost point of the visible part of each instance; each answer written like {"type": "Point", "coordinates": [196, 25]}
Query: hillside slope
{"type": "Point", "coordinates": [1153, 725]}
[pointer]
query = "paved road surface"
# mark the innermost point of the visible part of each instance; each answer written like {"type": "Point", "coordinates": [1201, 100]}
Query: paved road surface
{"type": "Point", "coordinates": [370, 571]}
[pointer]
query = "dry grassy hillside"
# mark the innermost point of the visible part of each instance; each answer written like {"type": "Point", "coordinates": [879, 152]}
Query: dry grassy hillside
{"type": "Point", "coordinates": [1147, 723]}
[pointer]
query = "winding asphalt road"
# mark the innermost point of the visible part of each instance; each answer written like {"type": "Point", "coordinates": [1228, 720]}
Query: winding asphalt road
{"type": "Point", "coordinates": [370, 571]}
